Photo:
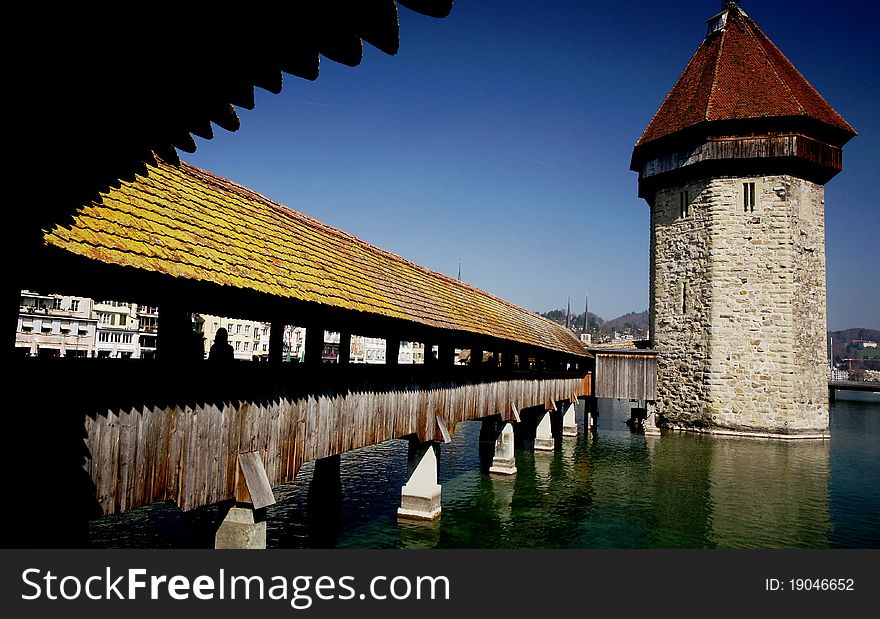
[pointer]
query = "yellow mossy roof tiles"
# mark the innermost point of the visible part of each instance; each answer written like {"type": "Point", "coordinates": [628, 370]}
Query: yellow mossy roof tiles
{"type": "Point", "coordinates": [188, 223]}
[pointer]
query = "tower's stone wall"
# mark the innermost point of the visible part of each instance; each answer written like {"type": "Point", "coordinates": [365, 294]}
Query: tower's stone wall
{"type": "Point", "coordinates": [738, 305]}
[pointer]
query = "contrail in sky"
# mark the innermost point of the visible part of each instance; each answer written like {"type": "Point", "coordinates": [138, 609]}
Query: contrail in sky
{"type": "Point", "coordinates": [315, 103]}
{"type": "Point", "coordinates": [538, 161]}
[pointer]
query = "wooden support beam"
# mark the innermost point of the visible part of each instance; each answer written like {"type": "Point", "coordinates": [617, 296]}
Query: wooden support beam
{"type": "Point", "coordinates": [392, 349]}
{"type": "Point", "coordinates": [344, 347]}
{"type": "Point", "coordinates": [252, 485]}
{"type": "Point", "coordinates": [276, 342]}
{"type": "Point", "coordinates": [446, 355]}
{"type": "Point", "coordinates": [175, 340]}
{"type": "Point", "coordinates": [314, 349]}
{"type": "Point", "coordinates": [441, 432]}
{"type": "Point", "coordinates": [430, 360]}
{"type": "Point", "coordinates": [476, 361]}
{"type": "Point", "coordinates": [13, 304]}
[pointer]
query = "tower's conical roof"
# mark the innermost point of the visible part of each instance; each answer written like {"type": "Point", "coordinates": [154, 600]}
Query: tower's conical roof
{"type": "Point", "coordinates": [737, 73]}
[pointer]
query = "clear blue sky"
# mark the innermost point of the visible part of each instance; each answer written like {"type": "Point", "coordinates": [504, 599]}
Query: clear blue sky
{"type": "Point", "coordinates": [501, 136]}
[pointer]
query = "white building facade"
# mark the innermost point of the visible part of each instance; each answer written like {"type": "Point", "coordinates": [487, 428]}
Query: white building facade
{"type": "Point", "coordinates": [55, 326]}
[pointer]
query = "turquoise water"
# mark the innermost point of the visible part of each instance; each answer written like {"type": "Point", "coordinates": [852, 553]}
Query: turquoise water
{"type": "Point", "coordinates": [613, 489]}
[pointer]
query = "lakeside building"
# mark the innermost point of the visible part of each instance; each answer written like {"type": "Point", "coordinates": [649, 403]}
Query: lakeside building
{"type": "Point", "coordinates": [55, 326]}
{"type": "Point", "coordinates": [118, 333]}
{"type": "Point", "coordinates": [148, 328]}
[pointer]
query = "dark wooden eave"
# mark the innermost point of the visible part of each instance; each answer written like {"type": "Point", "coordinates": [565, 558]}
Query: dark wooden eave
{"type": "Point", "coordinates": [94, 101]}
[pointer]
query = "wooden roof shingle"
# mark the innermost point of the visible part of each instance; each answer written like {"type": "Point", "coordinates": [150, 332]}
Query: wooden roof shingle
{"type": "Point", "coordinates": [187, 223]}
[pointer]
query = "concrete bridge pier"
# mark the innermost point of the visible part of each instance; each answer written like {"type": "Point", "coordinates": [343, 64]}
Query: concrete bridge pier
{"type": "Point", "coordinates": [544, 434]}
{"type": "Point", "coordinates": [650, 423]}
{"type": "Point", "coordinates": [325, 502]}
{"type": "Point", "coordinates": [569, 425]}
{"type": "Point", "coordinates": [504, 461]}
{"type": "Point", "coordinates": [643, 419]}
{"type": "Point", "coordinates": [490, 429]}
{"type": "Point", "coordinates": [591, 414]}
{"type": "Point", "coordinates": [420, 496]}
{"type": "Point", "coordinates": [245, 524]}
{"type": "Point", "coordinates": [243, 528]}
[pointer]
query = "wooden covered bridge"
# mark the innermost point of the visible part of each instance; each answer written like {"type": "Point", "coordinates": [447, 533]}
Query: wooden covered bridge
{"type": "Point", "coordinates": [176, 427]}
{"type": "Point", "coordinates": [94, 436]}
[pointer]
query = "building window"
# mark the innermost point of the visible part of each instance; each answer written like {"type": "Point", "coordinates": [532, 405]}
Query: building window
{"type": "Point", "coordinates": [237, 329]}
{"type": "Point", "coordinates": [684, 292]}
{"type": "Point", "coordinates": [74, 305]}
{"type": "Point", "coordinates": [749, 197]}
{"type": "Point", "coordinates": [246, 345]}
{"type": "Point", "coordinates": [56, 303]}
{"type": "Point", "coordinates": [684, 201]}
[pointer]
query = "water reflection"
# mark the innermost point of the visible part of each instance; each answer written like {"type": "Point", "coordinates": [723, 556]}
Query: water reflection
{"type": "Point", "coordinates": [610, 489]}
{"type": "Point", "coordinates": [770, 494]}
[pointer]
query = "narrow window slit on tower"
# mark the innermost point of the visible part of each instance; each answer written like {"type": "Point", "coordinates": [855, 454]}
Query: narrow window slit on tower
{"type": "Point", "coordinates": [749, 197]}
{"type": "Point", "coordinates": [683, 201]}
{"type": "Point", "coordinates": [684, 288]}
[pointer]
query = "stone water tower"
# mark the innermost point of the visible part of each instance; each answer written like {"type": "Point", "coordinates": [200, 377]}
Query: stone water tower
{"type": "Point", "coordinates": [733, 166]}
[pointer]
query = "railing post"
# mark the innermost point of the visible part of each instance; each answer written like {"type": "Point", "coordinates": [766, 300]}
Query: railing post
{"type": "Point", "coordinates": [344, 347]}
{"type": "Point", "coordinates": [392, 350]}
{"type": "Point", "coordinates": [176, 341]}
{"type": "Point", "coordinates": [12, 319]}
{"type": "Point", "coordinates": [430, 360]}
{"type": "Point", "coordinates": [476, 361]}
{"type": "Point", "coordinates": [446, 354]}
{"type": "Point", "coordinates": [276, 342]}
{"type": "Point", "coordinates": [314, 348]}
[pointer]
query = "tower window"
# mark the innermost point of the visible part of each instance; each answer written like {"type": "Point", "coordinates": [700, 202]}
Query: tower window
{"type": "Point", "coordinates": [749, 197]}
{"type": "Point", "coordinates": [683, 203]}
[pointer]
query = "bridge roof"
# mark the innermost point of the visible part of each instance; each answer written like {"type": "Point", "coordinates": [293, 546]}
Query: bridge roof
{"type": "Point", "coordinates": [187, 223]}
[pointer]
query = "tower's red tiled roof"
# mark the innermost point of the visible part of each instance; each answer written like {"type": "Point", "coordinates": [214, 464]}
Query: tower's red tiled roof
{"type": "Point", "coordinates": [738, 73]}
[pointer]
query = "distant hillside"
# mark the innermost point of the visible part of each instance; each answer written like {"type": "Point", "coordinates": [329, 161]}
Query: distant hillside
{"type": "Point", "coordinates": [848, 344]}
{"type": "Point", "coordinates": [632, 320]}
{"type": "Point", "coordinates": [633, 324]}
{"type": "Point", "coordinates": [575, 321]}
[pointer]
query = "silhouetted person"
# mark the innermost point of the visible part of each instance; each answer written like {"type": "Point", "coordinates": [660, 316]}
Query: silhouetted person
{"type": "Point", "coordinates": [221, 349]}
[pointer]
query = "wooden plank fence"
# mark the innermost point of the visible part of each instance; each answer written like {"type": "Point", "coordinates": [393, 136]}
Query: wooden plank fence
{"type": "Point", "coordinates": [190, 454]}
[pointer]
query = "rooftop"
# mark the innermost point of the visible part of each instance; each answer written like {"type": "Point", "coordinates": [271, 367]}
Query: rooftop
{"type": "Point", "coordinates": [737, 73]}
{"type": "Point", "coordinates": [189, 224]}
